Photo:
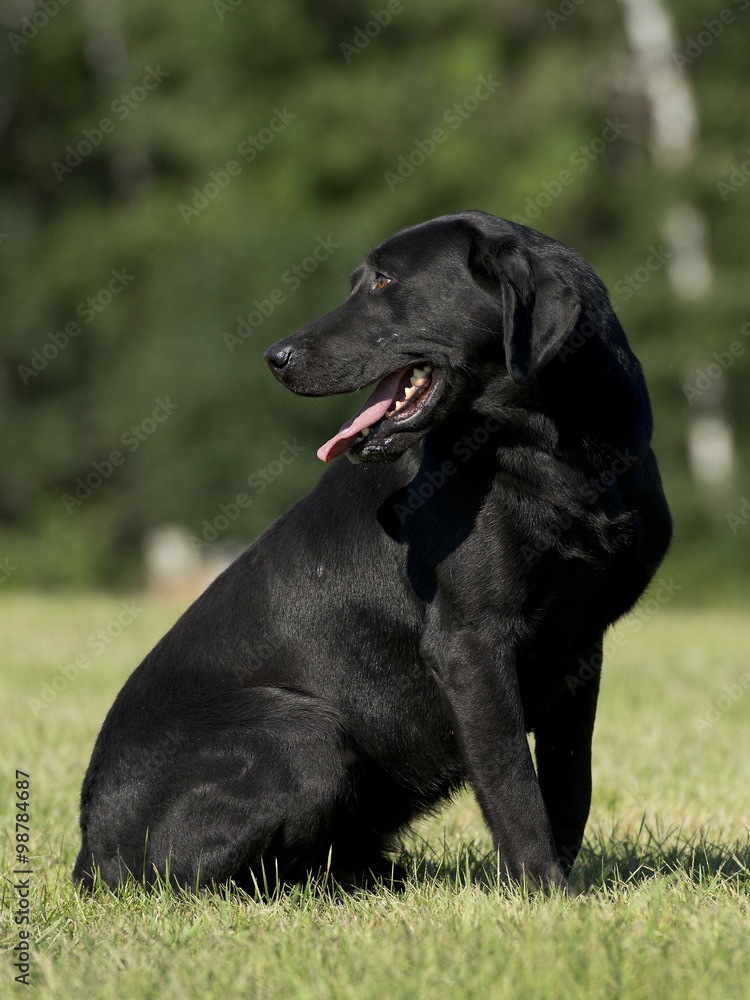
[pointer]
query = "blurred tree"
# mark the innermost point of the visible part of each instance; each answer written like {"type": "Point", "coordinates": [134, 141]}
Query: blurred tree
{"type": "Point", "coordinates": [183, 184]}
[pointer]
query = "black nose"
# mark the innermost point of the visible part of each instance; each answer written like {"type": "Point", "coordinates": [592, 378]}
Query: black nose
{"type": "Point", "coordinates": [278, 356]}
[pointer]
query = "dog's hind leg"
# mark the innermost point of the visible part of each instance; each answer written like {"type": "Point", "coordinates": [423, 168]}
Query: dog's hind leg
{"type": "Point", "coordinates": [263, 791]}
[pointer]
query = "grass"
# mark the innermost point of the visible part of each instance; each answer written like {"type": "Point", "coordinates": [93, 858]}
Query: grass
{"type": "Point", "coordinates": [664, 908]}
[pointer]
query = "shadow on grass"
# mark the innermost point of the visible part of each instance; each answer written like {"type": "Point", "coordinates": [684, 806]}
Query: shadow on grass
{"type": "Point", "coordinates": [608, 861]}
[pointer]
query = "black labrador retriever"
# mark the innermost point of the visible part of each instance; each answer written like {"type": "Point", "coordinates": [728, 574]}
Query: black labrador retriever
{"type": "Point", "coordinates": [440, 594]}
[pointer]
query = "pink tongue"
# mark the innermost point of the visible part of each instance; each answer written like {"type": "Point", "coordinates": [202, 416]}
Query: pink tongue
{"type": "Point", "coordinates": [376, 407]}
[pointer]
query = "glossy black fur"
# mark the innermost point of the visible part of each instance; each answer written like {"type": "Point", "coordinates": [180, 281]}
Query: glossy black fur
{"type": "Point", "coordinates": [396, 634]}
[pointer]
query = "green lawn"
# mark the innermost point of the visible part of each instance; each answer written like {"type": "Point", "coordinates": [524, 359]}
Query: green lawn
{"type": "Point", "coordinates": [664, 909]}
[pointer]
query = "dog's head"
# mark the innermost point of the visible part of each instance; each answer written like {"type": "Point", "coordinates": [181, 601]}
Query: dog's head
{"type": "Point", "coordinates": [439, 315]}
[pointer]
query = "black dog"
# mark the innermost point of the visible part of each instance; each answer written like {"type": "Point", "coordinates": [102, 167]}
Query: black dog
{"type": "Point", "coordinates": [398, 631]}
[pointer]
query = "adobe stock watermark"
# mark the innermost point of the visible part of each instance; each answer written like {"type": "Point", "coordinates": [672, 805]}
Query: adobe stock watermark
{"type": "Point", "coordinates": [88, 309]}
{"type": "Point", "coordinates": [621, 633]}
{"type": "Point", "coordinates": [705, 378]}
{"type": "Point", "coordinates": [711, 29]}
{"type": "Point", "coordinates": [591, 491]}
{"type": "Point", "coordinates": [732, 693]}
{"type": "Point", "coordinates": [156, 759]}
{"type": "Point", "coordinates": [739, 520]}
{"type": "Point", "coordinates": [417, 496]}
{"type": "Point", "coordinates": [629, 284]}
{"type": "Point", "coordinates": [454, 117]}
{"type": "Point", "coordinates": [379, 19]}
{"type": "Point", "coordinates": [122, 106]}
{"type": "Point", "coordinates": [580, 159]}
{"type": "Point", "coordinates": [7, 569]}
{"type": "Point", "coordinates": [224, 7]}
{"type": "Point", "coordinates": [97, 642]}
{"type": "Point", "coordinates": [22, 887]}
{"type": "Point", "coordinates": [28, 28]}
{"type": "Point", "coordinates": [131, 439]}
{"type": "Point", "coordinates": [736, 179]}
{"type": "Point", "coordinates": [565, 10]}
{"type": "Point", "coordinates": [625, 288]}
{"type": "Point", "coordinates": [259, 481]}
{"type": "Point", "coordinates": [292, 279]}
{"type": "Point", "coordinates": [219, 180]}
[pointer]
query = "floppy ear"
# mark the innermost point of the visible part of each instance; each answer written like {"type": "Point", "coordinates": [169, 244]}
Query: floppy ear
{"type": "Point", "coordinates": [539, 309]}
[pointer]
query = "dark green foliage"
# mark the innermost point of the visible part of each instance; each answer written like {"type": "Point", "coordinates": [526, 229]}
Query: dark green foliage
{"type": "Point", "coordinates": [516, 104]}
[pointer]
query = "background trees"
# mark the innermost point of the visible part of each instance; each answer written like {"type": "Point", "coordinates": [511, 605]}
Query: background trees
{"type": "Point", "coordinates": [184, 183]}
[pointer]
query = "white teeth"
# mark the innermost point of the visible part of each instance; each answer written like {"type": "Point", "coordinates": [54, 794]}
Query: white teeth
{"type": "Point", "coordinates": [417, 379]}
{"type": "Point", "coordinates": [394, 409]}
{"type": "Point", "coordinates": [365, 431]}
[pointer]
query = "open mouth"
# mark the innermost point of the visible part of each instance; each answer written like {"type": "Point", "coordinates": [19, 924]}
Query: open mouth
{"type": "Point", "coordinates": [396, 401]}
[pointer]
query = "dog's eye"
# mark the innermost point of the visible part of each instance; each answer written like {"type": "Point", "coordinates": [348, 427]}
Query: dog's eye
{"type": "Point", "coordinates": [381, 280]}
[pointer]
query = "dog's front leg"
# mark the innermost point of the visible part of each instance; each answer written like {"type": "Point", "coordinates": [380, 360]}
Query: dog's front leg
{"type": "Point", "coordinates": [480, 686]}
{"type": "Point", "coordinates": [563, 753]}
